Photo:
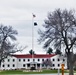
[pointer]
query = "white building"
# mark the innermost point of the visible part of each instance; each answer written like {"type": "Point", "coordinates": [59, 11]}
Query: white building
{"type": "Point", "coordinates": [25, 61]}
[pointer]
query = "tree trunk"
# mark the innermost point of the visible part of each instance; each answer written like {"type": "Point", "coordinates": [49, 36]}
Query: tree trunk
{"type": "Point", "coordinates": [70, 59]}
{"type": "Point", "coordinates": [0, 64]}
{"type": "Point", "coordinates": [67, 63]}
{"type": "Point", "coordinates": [71, 68]}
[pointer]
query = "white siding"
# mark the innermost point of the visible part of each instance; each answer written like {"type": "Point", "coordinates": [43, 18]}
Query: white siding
{"type": "Point", "coordinates": [56, 62]}
{"type": "Point", "coordinates": [10, 63]}
{"type": "Point", "coordinates": [19, 64]}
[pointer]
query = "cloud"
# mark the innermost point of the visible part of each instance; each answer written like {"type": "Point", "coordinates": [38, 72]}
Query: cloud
{"type": "Point", "coordinates": [18, 13]}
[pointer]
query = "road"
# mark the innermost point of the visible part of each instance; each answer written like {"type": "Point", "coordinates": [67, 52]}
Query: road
{"type": "Point", "coordinates": [37, 74]}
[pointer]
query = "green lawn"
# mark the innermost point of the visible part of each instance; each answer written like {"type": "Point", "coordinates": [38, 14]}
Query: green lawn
{"type": "Point", "coordinates": [21, 72]}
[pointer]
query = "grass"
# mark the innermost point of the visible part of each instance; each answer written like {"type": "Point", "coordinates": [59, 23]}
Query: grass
{"type": "Point", "coordinates": [21, 72]}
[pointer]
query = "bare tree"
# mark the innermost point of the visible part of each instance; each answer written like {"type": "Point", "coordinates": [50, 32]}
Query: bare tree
{"type": "Point", "coordinates": [60, 29]}
{"type": "Point", "coordinates": [58, 52]}
{"type": "Point", "coordinates": [47, 63]}
{"type": "Point", "coordinates": [7, 37]}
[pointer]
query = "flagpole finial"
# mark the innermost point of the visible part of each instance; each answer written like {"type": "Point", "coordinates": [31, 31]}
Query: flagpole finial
{"type": "Point", "coordinates": [33, 15]}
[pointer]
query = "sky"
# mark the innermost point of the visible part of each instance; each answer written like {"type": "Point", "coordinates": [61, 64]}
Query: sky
{"type": "Point", "coordinates": [18, 14]}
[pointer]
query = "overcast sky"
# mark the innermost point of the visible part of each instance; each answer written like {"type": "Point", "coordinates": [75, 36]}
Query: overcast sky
{"type": "Point", "coordinates": [18, 13]}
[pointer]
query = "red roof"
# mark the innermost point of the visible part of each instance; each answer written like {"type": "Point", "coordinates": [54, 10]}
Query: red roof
{"type": "Point", "coordinates": [34, 56]}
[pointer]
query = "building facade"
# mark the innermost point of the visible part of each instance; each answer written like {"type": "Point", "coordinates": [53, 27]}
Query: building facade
{"type": "Point", "coordinates": [26, 61]}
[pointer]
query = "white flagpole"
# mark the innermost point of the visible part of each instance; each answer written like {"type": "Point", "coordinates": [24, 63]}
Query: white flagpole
{"type": "Point", "coordinates": [32, 37]}
{"type": "Point", "coordinates": [33, 16]}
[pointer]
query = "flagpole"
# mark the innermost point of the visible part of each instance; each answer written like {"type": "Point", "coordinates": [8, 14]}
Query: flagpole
{"type": "Point", "coordinates": [33, 24]}
{"type": "Point", "coordinates": [32, 37]}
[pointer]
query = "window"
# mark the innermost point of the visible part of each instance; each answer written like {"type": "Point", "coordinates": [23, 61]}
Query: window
{"type": "Point", "coordinates": [47, 59]}
{"type": "Point", "coordinates": [28, 65]}
{"type": "Point", "coordinates": [38, 59]}
{"type": "Point", "coordinates": [13, 60]}
{"type": "Point", "coordinates": [63, 59]}
{"type": "Point", "coordinates": [19, 60]}
{"type": "Point", "coordinates": [58, 65]}
{"type": "Point", "coordinates": [8, 65]}
{"type": "Point", "coordinates": [23, 59]}
{"type": "Point", "coordinates": [58, 59]}
{"type": "Point", "coordinates": [23, 65]}
{"type": "Point", "coordinates": [3, 65]}
{"type": "Point", "coordinates": [3, 61]}
{"type": "Point", "coordinates": [28, 59]}
{"type": "Point", "coordinates": [8, 60]}
{"type": "Point", "coordinates": [42, 59]}
{"type": "Point", "coordinates": [38, 65]}
{"type": "Point", "coordinates": [43, 65]}
{"type": "Point", "coordinates": [53, 59]}
{"type": "Point", "coordinates": [13, 65]}
{"type": "Point", "coordinates": [53, 65]}
{"type": "Point", "coordinates": [33, 59]}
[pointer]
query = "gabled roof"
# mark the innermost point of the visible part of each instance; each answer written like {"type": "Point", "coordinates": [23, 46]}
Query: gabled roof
{"type": "Point", "coordinates": [34, 56]}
